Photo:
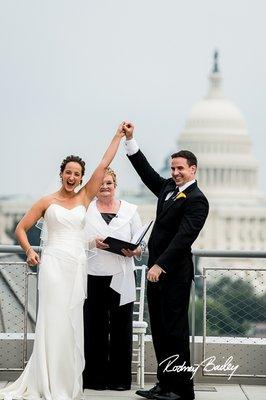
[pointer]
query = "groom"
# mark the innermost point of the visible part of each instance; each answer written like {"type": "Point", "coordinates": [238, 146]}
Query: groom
{"type": "Point", "coordinates": [181, 212]}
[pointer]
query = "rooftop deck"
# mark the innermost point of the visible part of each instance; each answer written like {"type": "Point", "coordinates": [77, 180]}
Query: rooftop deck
{"type": "Point", "coordinates": [209, 335]}
{"type": "Point", "coordinates": [202, 391]}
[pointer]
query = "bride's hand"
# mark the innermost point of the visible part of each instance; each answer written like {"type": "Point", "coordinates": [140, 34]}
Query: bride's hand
{"type": "Point", "coordinates": [120, 130]}
{"type": "Point", "coordinates": [32, 258]}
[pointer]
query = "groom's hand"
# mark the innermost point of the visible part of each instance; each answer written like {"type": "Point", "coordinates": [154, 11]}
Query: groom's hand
{"type": "Point", "coordinates": [128, 128]}
{"type": "Point", "coordinates": [154, 273]}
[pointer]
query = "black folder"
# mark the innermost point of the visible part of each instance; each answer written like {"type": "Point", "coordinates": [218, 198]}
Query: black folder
{"type": "Point", "coordinates": [116, 245]}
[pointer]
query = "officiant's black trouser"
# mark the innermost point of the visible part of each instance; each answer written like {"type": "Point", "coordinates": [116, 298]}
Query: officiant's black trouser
{"type": "Point", "coordinates": [168, 302]}
{"type": "Point", "coordinates": [107, 335]}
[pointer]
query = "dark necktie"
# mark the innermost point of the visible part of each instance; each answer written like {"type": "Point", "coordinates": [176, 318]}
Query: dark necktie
{"type": "Point", "coordinates": [174, 194]}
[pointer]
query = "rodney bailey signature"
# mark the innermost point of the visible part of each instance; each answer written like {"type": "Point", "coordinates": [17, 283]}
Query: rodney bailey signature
{"type": "Point", "coordinates": [208, 365]}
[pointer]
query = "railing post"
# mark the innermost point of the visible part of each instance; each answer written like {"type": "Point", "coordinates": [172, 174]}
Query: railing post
{"type": "Point", "coordinates": [24, 352]}
{"type": "Point", "coordinates": [193, 310]}
{"type": "Point", "coordinates": [204, 300]}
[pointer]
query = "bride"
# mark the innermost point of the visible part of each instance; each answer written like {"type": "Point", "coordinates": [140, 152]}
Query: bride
{"type": "Point", "coordinates": [54, 370]}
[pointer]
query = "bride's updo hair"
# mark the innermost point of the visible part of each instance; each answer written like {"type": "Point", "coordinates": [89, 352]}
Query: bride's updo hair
{"type": "Point", "coordinates": [72, 158]}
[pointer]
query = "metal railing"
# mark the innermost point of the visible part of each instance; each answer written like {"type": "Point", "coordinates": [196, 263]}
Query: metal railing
{"type": "Point", "coordinates": [14, 276]}
{"type": "Point", "coordinates": [232, 297]}
{"type": "Point", "coordinates": [244, 301]}
{"type": "Point", "coordinates": [205, 289]}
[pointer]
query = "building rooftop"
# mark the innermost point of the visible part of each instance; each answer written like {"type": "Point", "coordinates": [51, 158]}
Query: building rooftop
{"type": "Point", "coordinates": [203, 392]}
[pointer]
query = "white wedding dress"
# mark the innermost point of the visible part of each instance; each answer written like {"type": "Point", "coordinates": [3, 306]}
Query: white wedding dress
{"type": "Point", "coordinates": [54, 370]}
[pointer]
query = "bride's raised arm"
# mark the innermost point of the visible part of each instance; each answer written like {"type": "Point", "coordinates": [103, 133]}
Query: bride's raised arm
{"type": "Point", "coordinates": [95, 181]}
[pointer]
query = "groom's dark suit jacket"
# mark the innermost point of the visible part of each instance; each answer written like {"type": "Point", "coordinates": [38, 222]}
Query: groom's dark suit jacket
{"type": "Point", "coordinates": [177, 223]}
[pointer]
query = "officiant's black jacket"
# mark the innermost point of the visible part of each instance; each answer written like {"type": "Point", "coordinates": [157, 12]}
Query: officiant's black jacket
{"type": "Point", "coordinates": [178, 222]}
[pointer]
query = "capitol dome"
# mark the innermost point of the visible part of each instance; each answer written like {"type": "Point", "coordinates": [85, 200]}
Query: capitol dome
{"type": "Point", "coordinates": [215, 112]}
{"type": "Point", "coordinates": [216, 132]}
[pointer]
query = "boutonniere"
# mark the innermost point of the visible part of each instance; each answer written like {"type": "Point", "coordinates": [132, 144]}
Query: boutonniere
{"type": "Point", "coordinates": [180, 195]}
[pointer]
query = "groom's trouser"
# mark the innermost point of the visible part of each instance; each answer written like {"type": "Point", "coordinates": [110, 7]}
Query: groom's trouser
{"type": "Point", "coordinates": [168, 302]}
{"type": "Point", "coordinates": [107, 335]}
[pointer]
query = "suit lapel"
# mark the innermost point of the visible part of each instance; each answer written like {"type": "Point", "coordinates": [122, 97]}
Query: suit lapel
{"type": "Point", "coordinates": [190, 188]}
{"type": "Point", "coordinates": [176, 202]}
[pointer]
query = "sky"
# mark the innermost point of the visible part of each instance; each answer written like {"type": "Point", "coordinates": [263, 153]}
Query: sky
{"type": "Point", "coordinates": [71, 71]}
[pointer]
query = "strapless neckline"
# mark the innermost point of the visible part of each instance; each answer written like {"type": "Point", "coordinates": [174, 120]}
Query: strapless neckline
{"type": "Point", "coordinates": [63, 226]}
{"type": "Point", "coordinates": [65, 208]}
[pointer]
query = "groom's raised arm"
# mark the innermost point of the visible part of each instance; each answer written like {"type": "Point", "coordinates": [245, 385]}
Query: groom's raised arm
{"type": "Point", "coordinates": [148, 175]}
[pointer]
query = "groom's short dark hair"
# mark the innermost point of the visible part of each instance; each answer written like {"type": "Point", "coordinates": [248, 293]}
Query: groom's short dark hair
{"type": "Point", "coordinates": [188, 155]}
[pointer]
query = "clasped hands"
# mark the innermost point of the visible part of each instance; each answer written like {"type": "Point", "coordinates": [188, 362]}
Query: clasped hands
{"type": "Point", "coordinates": [126, 128]}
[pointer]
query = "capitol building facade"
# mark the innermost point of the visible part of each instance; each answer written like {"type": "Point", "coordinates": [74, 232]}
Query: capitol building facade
{"type": "Point", "coordinates": [228, 174]}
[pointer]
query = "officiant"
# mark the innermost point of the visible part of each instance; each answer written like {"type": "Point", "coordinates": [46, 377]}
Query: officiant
{"type": "Point", "coordinates": [108, 310]}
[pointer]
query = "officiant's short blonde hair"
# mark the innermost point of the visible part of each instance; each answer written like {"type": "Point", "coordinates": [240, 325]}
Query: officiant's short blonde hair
{"type": "Point", "coordinates": [110, 171]}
